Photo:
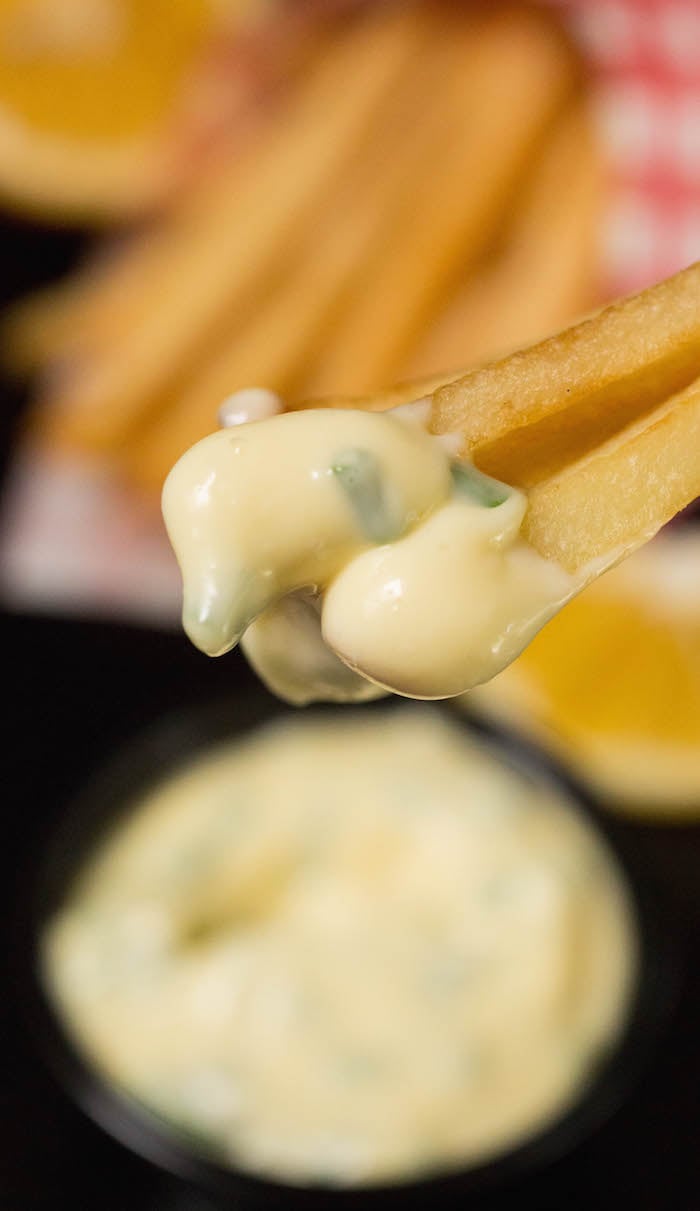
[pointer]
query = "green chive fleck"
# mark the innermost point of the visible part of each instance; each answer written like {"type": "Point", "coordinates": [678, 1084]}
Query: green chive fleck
{"type": "Point", "coordinates": [360, 477]}
{"type": "Point", "coordinates": [481, 488]}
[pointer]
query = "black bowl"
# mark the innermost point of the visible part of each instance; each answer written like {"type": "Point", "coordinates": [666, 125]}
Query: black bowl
{"type": "Point", "coordinates": [173, 742]}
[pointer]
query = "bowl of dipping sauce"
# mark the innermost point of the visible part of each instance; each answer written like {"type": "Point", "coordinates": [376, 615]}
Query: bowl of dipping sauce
{"type": "Point", "coordinates": [354, 952]}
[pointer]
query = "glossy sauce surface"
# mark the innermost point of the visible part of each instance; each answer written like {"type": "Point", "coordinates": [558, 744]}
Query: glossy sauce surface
{"type": "Point", "coordinates": [353, 556]}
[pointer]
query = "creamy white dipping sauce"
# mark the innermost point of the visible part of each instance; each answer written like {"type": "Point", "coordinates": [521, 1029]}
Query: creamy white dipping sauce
{"type": "Point", "coordinates": [348, 953]}
{"type": "Point", "coordinates": [353, 556]}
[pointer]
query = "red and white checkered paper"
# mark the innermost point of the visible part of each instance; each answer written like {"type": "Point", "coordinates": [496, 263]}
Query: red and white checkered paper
{"type": "Point", "coordinates": [72, 539]}
{"type": "Point", "coordinates": [645, 59]}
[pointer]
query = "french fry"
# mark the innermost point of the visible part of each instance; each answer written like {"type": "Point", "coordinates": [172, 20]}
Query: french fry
{"type": "Point", "coordinates": [527, 416]}
{"type": "Point", "coordinates": [404, 392]}
{"type": "Point", "coordinates": [544, 277]}
{"type": "Point", "coordinates": [80, 322]}
{"type": "Point", "coordinates": [615, 499]}
{"type": "Point", "coordinates": [600, 424]}
{"type": "Point", "coordinates": [504, 92]}
{"type": "Point", "coordinates": [226, 250]}
{"type": "Point", "coordinates": [275, 345]}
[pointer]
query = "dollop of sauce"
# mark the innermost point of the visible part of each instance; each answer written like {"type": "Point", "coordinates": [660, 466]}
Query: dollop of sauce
{"type": "Point", "coordinates": [348, 952]}
{"type": "Point", "coordinates": [353, 556]}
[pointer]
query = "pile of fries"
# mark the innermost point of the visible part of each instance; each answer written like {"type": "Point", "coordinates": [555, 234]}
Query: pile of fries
{"type": "Point", "coordinates": [423, 193]}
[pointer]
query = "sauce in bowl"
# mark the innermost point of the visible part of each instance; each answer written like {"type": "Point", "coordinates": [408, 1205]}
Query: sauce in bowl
{"type": "Point", "coordinates": [348, 952]}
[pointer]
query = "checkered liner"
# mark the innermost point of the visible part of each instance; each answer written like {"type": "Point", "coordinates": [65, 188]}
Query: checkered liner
{"type": "Point", "coordinates": [645, 59]}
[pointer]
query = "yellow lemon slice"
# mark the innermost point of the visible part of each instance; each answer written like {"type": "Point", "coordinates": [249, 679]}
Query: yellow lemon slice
{"type": "Point", "coordinates": [91, 94]}
{"type": "Point", "coordinates": [612, 685]}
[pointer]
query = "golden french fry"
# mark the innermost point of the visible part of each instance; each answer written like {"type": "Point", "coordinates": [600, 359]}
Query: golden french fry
{"type": "Point", "coordinates": [529, 415]}
{"type": "Point", "coordinates": [545, 269]}
{"type": "Point", "coordinates": [405, 392]}
{"type": "Point", "coordinates": [273, 348]}
{"type": "Point", "coordinates": [613, 500]}
{"type": "Point", "coordinates": [601, 423]}
{"type": "Point", "coordinates": [267, 352]}
{"type": "Point", "coordinates": [228, 247]}
{"type": "Point", "coordinates": [84, 317]}
{"type": "Point", "coordinates": [503, 91]}
{"type": "Point", "coordinates": [544, 277]}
